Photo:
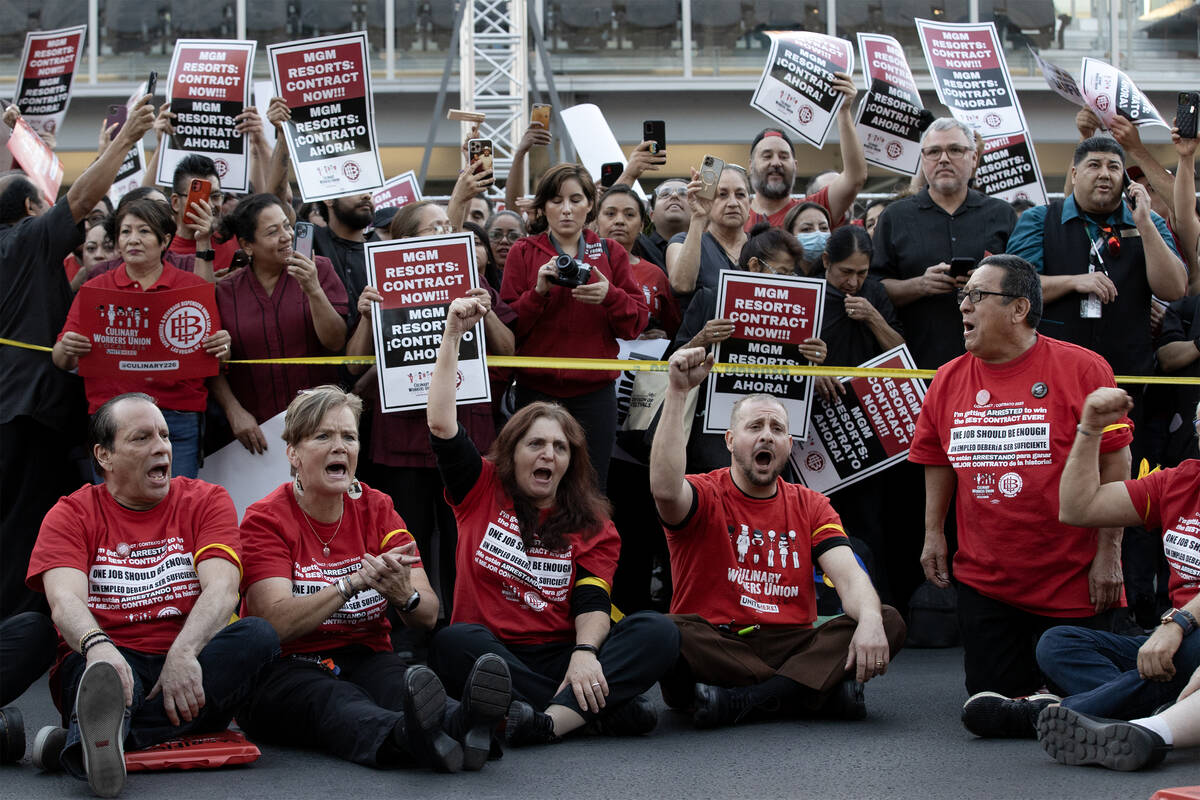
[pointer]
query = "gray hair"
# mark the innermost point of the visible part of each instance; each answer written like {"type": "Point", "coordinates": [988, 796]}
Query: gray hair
{"type": "Point", "coordinates": [102, 429]}
{"type": "Point", "coordinates": [946, 124]}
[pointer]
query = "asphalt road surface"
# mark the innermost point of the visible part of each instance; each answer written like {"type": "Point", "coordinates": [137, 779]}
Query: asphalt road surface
{"type": "Point", "coordinates": [911, 745]}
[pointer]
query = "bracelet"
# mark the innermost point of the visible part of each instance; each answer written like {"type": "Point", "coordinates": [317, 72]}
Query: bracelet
{"type": "Point", "coordinates": [344, 588]}
{"type": "Point", "coordinates": [589, 648]}
{"type": "Point", "coordinates": [88, 635]}
{"type": "Point", "coordinates": [1085, 432]}
{"type": "Point", "coordinates": [95, 640]}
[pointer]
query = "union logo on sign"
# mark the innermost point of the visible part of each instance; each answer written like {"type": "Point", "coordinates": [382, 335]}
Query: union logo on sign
{"type": "Point", "coordinates": [184, 327]}
{"type": "Point", "coordinates": [806, 114]}
{"type": "Point", "coordinates": [351, 170]}
{"type": "Point", "coordinates": [222, 167]}
{"type": "Point", "coordinates": [894, 150]}
{"type": "Point", "coordinates": [993, 120]}
{"type": "Point", "coordinates": [1102, 102]}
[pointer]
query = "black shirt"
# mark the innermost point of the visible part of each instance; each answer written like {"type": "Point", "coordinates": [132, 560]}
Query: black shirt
{"type": "Point", "coordinates": [851, 341]}
{"type": "Point", "coordinates": [915, 233]}
{"type": "Point", "coordinates": [654, 248]}
{"type": "Point", "coordinates": [713, 259]}
{"type": "Point", "coordinates": [349, 262]}
{"type": "Point", "coordinates": [34, 299]}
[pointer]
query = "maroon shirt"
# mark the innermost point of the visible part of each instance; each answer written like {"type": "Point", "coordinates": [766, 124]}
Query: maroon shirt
{"type": "Point", "coordinates": [279, 325]}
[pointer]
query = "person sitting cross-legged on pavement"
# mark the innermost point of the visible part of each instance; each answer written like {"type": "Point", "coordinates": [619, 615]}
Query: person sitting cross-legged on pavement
{"type": "Point", "coordinates": [141, 574]}
{"type": "Point", "coordinates": [743, 542]}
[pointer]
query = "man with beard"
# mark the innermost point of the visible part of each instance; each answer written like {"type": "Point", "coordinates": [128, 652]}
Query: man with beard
{"type": "Point", "coordinates": [341, 241]}
{"type": "Point", "coordinates": [743, 543]}
{"type": "Point", "coordinates": [916, 239]}
{"type": "Point", "coordinates": [773, 169]}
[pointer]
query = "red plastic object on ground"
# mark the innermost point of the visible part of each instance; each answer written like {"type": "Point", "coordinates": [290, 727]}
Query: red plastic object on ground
{"type": "Point", "coordinates": [202, 751]}
{"type": "Point", "coordinates": [1177, 793]}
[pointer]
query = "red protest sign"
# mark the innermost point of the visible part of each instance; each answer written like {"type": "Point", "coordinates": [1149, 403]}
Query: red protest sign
{"type": "Point", "coordinates": [399, 191]}
{"type": "Point", "coordinates": [148, 333]}
{"type": "Point", "coordinates": [48, 67]}
{"type": "Point", "coordinates": [37, 159]}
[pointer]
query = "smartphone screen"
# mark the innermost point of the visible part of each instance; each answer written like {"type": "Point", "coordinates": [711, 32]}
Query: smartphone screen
{"type": "Point", "coordinates": [480, 151]}
{"type": "Point", "coordinates": [303, 243]}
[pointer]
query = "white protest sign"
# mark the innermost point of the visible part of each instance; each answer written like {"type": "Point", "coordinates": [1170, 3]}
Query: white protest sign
{"type": "Point", "coordinates": [399, 191]}
{"type": "Point", "coordinates": [46, 74]}
{"type": "Point", "coordinates": [889, 117]}
{"type": "Point", "coordinates": [249, 477]}
{"type": "Point", "coordinates": [971, 76]}
{"type": "Point", "coordinates": [796, 87]}
{"type": "Point", "coordinates": [593, 139]}
{"type": "Point", "coordinates": [263, 91]}
{"type": "Point", "coordinates": [1009, 170]}
{"type": "Point", "coordinates": [1060, 80]}
{"type": "Point", "coordinates": [418, 278]}
{"type": "Point", "coordinates": [1110, 93]}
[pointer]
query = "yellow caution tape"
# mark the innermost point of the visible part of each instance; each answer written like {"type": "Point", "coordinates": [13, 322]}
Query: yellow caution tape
{"type": "Point", "coordinates": [637, 365]}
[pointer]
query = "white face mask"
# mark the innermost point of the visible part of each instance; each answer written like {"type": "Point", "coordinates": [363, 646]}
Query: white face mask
{"type": "Point", "coordinates": [813, 243]}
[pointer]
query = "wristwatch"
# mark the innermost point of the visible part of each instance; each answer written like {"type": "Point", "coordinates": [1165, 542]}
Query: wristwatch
{"type": "Point", "coordinates": [206, 255]}
{"type": "Point", "coordinates": [1183, 619]}
{"type": "Point", "coordinates": [414, 600]}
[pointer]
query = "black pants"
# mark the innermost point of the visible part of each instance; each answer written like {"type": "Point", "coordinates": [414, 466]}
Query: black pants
{"type": "Point", "coordinates": [638, 651]}
{"type": "Point", "coordinates": [27, 646]}
{"type": "Point", "coordinates": [417, 495]}
{"type": "Point", "coordinates": [230, 664]}
{"type": "Point", "coordinates": [596, 412]}
{"type": "Point", "coordinates": [642, 538]}
{"type": "Point", "coordinates": [1000, 642]}
{"type": "Point", "coordinates": [301, 703]}
{"type": "Point", "coordinates": [36, 469]}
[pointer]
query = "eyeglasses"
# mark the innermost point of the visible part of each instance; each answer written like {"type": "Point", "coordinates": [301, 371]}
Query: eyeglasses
{"type": "Point", "coordinates": [663, 192]}
{"type": "Point", "coordinates": [977, 295]}
{"type": "Point", "coordinates": [956, 152]}
{"type": "Point", "coordinates": [436, 228]}
{"type": "Point", "coordinates": [497, 235]}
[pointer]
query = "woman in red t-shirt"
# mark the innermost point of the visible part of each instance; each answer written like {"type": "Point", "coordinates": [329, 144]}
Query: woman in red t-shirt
{"type": "Point", "coordinates": [536, 556]}
{"type": "Point", "coordinates": [325, 558]}
{"type": "Point", "coordinates": [142, 230]}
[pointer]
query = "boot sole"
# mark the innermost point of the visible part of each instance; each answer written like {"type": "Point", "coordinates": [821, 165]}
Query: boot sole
{"type": "Point", "coordinates": [100, 711]}
{"type": "Point", "coordinates": [1070, 738]}
{"type": "Point", "coordinates": [487, 696]}
{"type": "Point", "coordinates": [426, 708]}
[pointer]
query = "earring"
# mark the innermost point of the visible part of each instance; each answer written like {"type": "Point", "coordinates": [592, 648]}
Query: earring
{"type": "Point", "coordinates": [297, 487]}
{"type": "Point", "coordinates": [355, 491]}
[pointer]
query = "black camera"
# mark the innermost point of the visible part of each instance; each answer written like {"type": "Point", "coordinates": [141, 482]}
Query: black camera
{"type": "Point", "coordinates": [571, 272]}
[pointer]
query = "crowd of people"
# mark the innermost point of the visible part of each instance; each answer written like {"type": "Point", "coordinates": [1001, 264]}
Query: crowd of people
{"type": "Point", "coordinates": [429, 586]}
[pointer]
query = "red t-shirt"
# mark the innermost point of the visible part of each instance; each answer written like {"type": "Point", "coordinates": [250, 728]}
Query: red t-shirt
{"type": "Point", "coordinates": [750, 560]}
{"type": "Point", "coordinates": [1007, 446]}
{"type": "Point", "coordinates": [188, 394]}
{"type": "Point", "coordinates": [521, 596]}
{"type": "Point", "coordinates": [656, 290]}
{"type": "Point", "coordinates": [224, 250]}
{"type": "Point", "coordinates": [140, 565]}
{"type": "Point", "coordinates": [277, 532]}
{"type": "Point", "coordinates": [775, 220]}
{"type": "Point", "coordinates": [1170, 499]}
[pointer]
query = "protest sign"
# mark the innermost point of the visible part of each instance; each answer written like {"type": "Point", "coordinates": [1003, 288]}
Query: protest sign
{"type": "Point", "coordinates": [971, 76]}
{"type": "Point", "coordinates": [1110, 93]}
{"type": "Point", "coordinates": [133, 169]}
{"type": "Point", "coordinates": [889, 117]}
{"type": "Point", "coordinates": [48, 66]}
{"type": "Point", "coordinates": [593, 139]}
{"type": "Point", "coordinates": [1060, 80]}
{"type": "Point", "coordinates": [247, 476]}
{"type": "Point", "coordinates": [399, 191]}
{"type": "Point", "coordinates": [418, 278]}
{"type": "Point", "coordinates": [863, 431]}
{"type": "Point", "coordinates": [772, 315]}
{"type": "Point", "coordinates": [34, 156]}
{"type": "Point", "coordinates": [1009, 169]}
{"type": "Point", "coordinates": [263, 90]}
{"type": "Point", "coordinates": [207, 87]}
{"type": "Point", "coordinates": [154, 334]}
{"type": "Point", "coordinates": [628, 398]}
{"type": "Point", "coordinates": [796, 88]}
{"type": "Point", "coordinates": [331, 135]}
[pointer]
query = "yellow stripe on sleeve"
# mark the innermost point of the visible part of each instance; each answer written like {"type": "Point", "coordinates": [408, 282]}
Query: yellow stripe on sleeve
{"type": "Point", "coordinates": [1115, 427]}
{"type": "Point", "coordinates": [224, 548]}
{"type": "Point", "coordinates": [593, 581]}
{"type": "Point", "coordinates": [388, 538]}
{"type": "Point", "coordinates": [832, 525]}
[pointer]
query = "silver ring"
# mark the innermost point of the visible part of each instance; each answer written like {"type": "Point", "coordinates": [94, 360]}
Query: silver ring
{"type": "Point", "coordinates": [596, 684]}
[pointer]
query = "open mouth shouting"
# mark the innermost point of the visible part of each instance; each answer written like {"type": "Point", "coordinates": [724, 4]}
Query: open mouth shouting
{"type": "Point", "coordinates": [160, 473]}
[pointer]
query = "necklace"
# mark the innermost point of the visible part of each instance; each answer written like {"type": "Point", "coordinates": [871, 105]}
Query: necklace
{"type": "Point", "coordinates": [324, 543]}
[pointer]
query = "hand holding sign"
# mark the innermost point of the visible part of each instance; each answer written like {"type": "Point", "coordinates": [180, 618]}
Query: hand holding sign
{"type": "Point", "coordinates": [72, 347]}
{"type": "Point", "coordinates": [278, 112]}
{"type": "Point", "coordinates": [367, 301]}
{"type": "Point", "coordinates": [842, 82]}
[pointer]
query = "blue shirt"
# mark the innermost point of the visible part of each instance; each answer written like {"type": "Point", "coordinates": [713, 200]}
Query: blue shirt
{"type": "Point", "coordinates": [1026, 238]}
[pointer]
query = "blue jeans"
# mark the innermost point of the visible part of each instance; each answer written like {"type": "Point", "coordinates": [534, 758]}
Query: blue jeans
{"type": "Point", "coordinates": [230, 664]}
{"type": "Point", "coordinates": [1098, 671]}
{"type": "Point", "coordinates": [185, 441]}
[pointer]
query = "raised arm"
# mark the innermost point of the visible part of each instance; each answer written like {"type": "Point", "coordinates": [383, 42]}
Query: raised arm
{"type": "Point", "coordinates": [440, 413]}
{"type": "Point", "coordinates": [673, 495]}
{"type": "Point", "coordinates": [1187, 223]}
{"type": "Point", "coordinates": [535, 136]}
{"type": "Point", "coordinates": [683, 260]}
{"type": "Point", "coordinates": [1165, 272]}
{"type": "Point", "coordinates": [1083, 499]}
{"type": "Point", "coordinates": [853, 176]}
{"type": "Point", "coordinates": [97, 179]}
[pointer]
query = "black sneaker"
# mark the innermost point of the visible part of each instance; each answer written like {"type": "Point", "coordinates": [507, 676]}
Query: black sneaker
{"type": "Point", "coordinates": [1070, 737]}
{"type": "Point", "coordinates": [47, 748]}
{"type": "Point", "coordinates": [847, 701]}
{"type": "Point", "coordinates": [994, 716]}
{"type": "Point", "coordinates": [526, 726]}
{"type": "Point", "coordinates": [424, 710]}
{"type": "Point", "coordinates": [12, 735]}
{"type": "Point", "coordinates": [485, 700]}
{"type": "Point", "coordinates": [715, 706]}
{"type": "Point", "coordinates": [100, 712]}
{"type": "Point", "coordinates": [635, 717]}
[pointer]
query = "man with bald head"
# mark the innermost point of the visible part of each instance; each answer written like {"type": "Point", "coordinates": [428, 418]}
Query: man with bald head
{"type": "Point", "coordinates": [41, 407]}
{"type": "Point", "coordinates": [743, 543]}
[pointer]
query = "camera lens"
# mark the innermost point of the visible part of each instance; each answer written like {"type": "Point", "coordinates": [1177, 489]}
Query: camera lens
{"type": "Point", "coordinates": [563, 262]}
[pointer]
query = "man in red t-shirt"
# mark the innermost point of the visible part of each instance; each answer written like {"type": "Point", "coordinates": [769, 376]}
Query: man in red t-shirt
{"type": "Point", "coordinates": [1106, 674]}
{"type": "Point", "coordinates": [993, 433]}
{"type": "Point", "coordinates": [743, 542]}
{"type": "Point", "coordinates": [141, 574]}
